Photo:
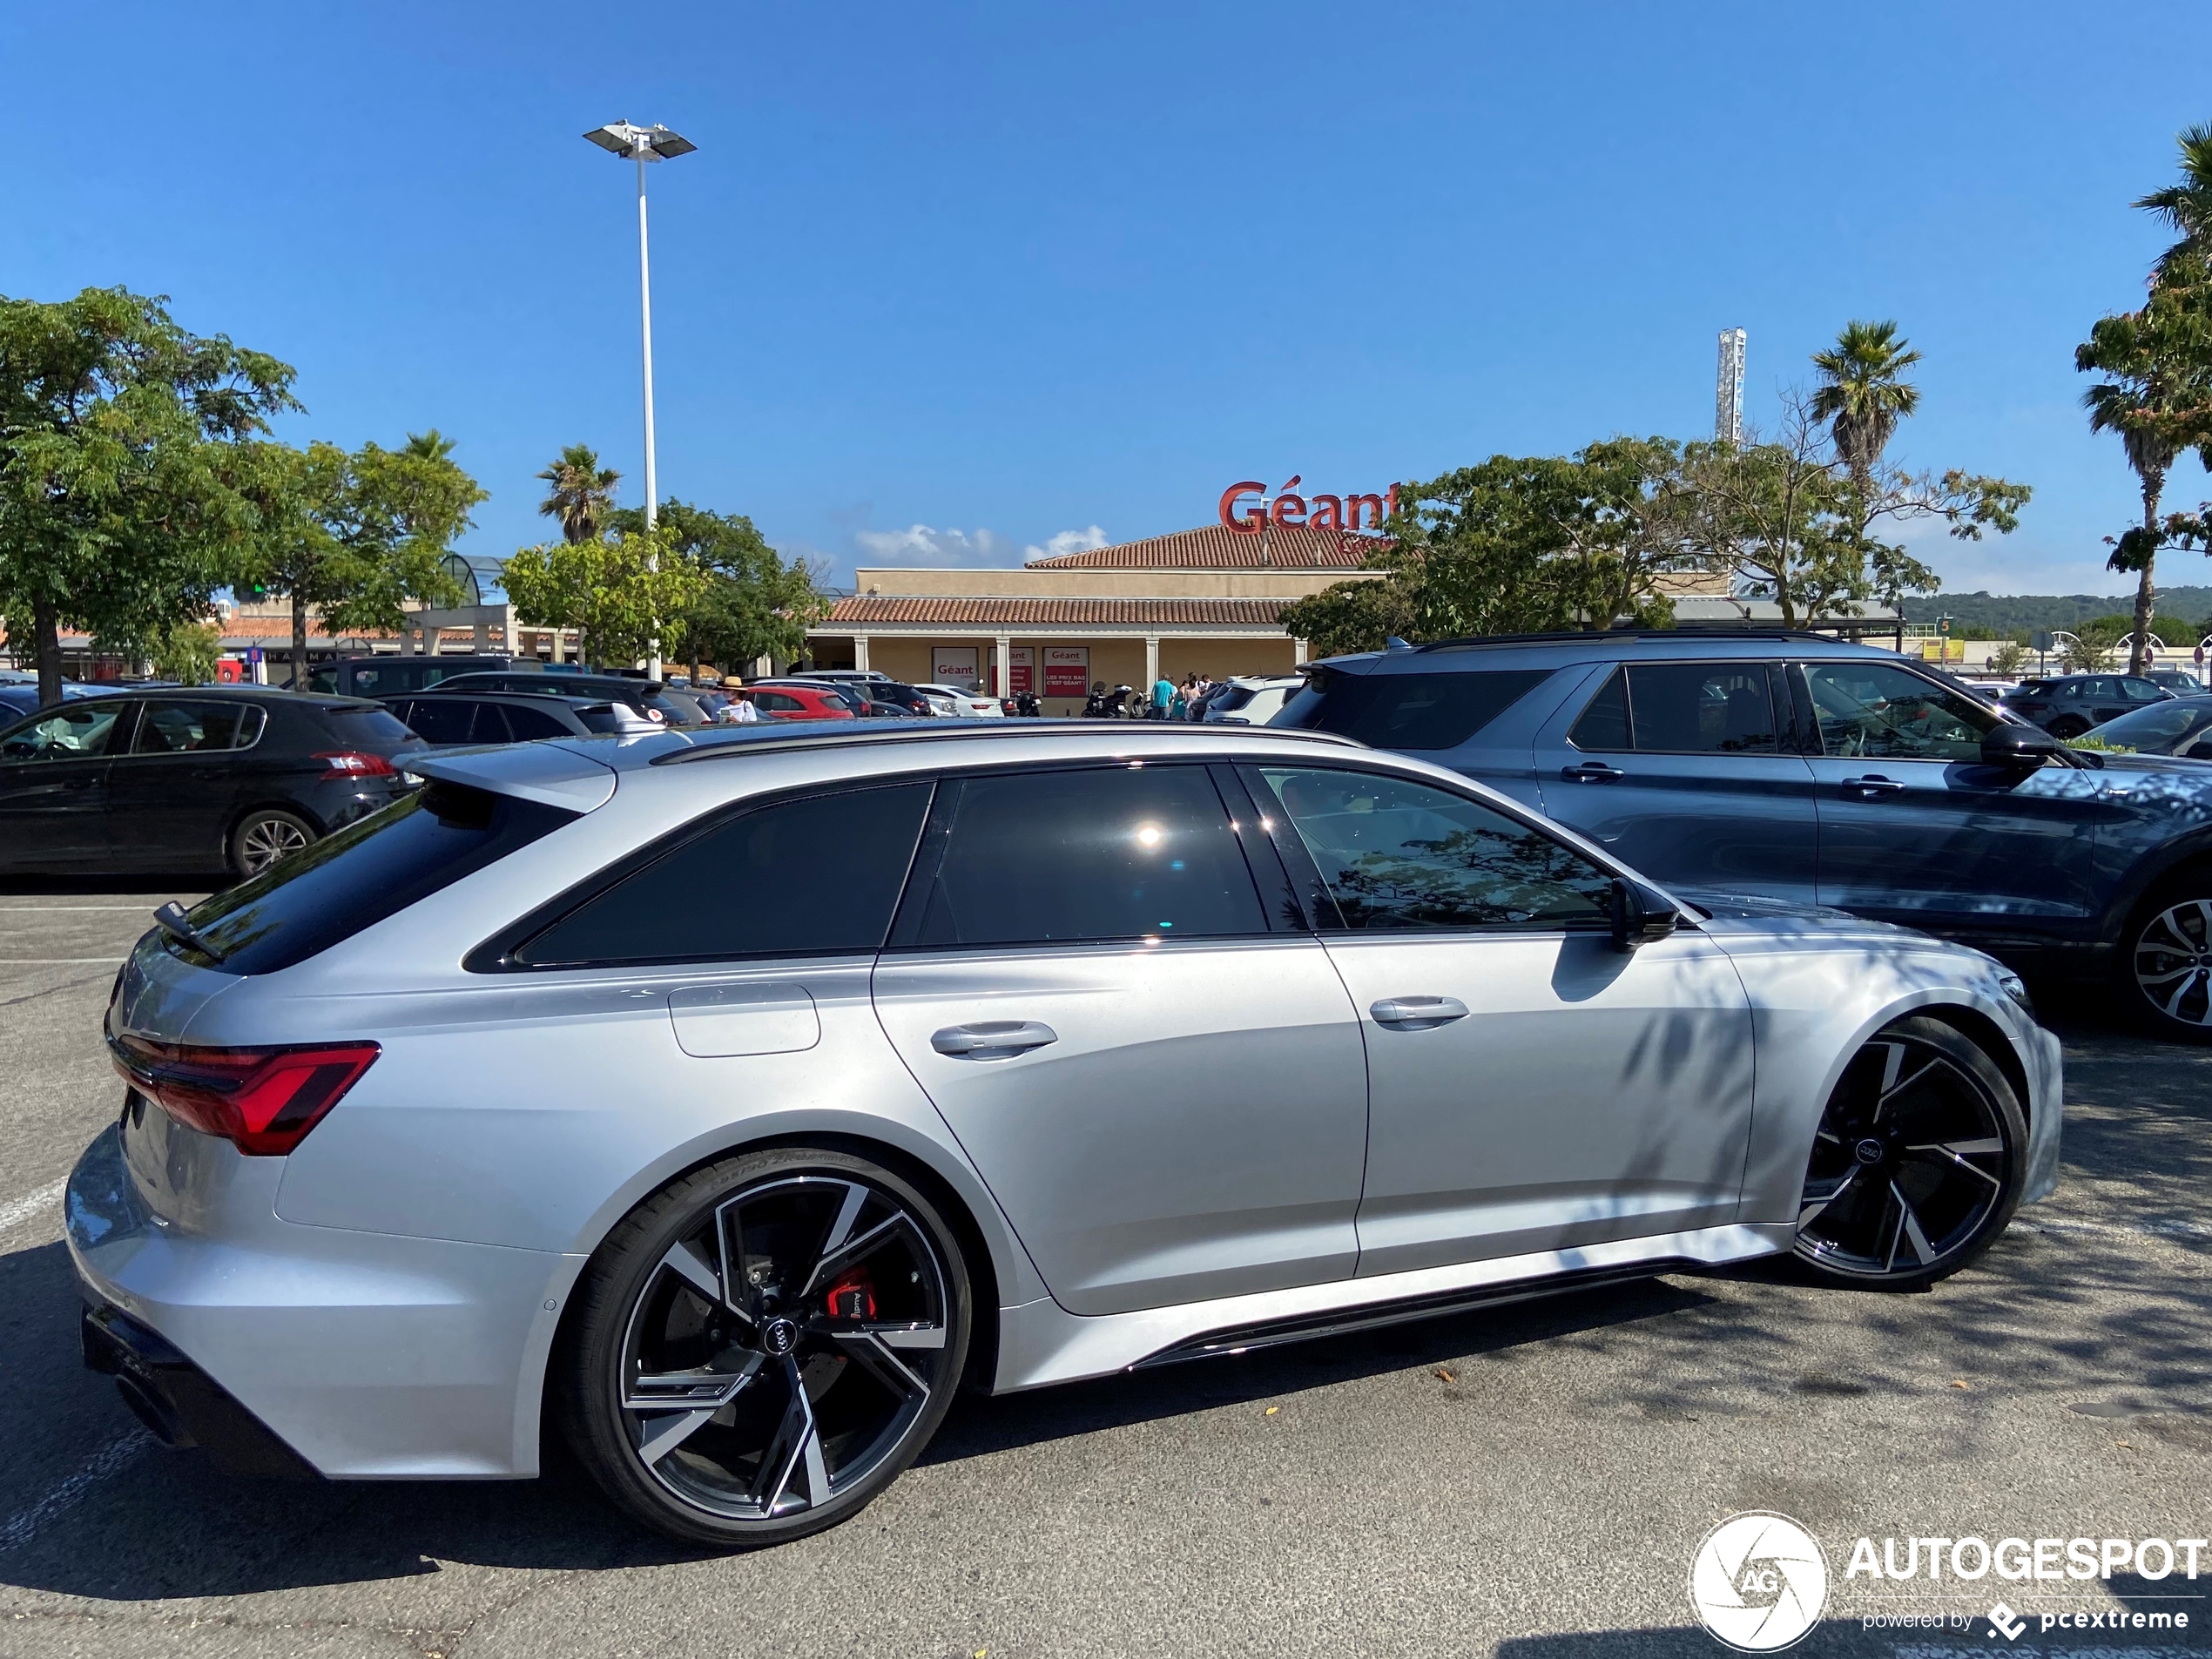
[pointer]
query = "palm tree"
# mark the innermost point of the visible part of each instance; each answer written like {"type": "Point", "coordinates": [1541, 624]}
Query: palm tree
{"type": "Point", "coordinates": [2186, 206]}
{"type": "Point", "coordinates": [2140, 402]}
{"type": "Point", "coordinates": [1862, 394]}
{"type": "Point", "coordinates": [582, 493]}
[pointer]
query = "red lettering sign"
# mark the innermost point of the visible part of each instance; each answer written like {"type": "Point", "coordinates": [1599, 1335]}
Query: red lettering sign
{"type": "Point", "coordinates": [1294, 511]}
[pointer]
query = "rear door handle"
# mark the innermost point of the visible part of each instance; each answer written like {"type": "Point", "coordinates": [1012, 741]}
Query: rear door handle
{"type": "Point", "coordinates": [1873, 785]}
{"type": "Point", "coordinates": [1418, 1013]}
{"type": "Point", "coordinates": [992, 1039]}
{"type": "Point", "coordinates": [1592, 772]}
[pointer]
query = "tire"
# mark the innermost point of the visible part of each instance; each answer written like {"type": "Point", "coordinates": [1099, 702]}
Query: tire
{"type": "Point", "coordinates": [2164, 970]}
{"type": "Point", "coordinates": [1917, 1163]}
{"type": "Point", "coordinates": [265, 836]}
{"type": "Point", "coordinates": [2068, 727]}
{"type": "Point", "coordinates": [703, 1407]}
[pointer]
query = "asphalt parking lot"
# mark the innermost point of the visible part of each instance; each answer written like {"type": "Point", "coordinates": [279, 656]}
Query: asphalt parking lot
{"type": "Point", "coordinates": [1530, 1483]}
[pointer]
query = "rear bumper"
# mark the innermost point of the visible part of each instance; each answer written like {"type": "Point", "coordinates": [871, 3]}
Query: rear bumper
{"type": "Point", "coordinates": [180, 1403]}
{"type": "Point", "coordinates": [368, 1356]}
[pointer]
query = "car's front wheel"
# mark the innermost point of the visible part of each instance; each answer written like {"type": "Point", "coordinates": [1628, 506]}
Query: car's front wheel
{"type": "Point", "coordinates": [2068, 727]}
{"type": "Point", "coordinates": [264, 837]}
{"type": "Point", "coordinates": [763, 1345]}
{"type": "Point", "coordinates": [1918, 1163]}
{"type": "Point", "coordinates": [2165, 965]}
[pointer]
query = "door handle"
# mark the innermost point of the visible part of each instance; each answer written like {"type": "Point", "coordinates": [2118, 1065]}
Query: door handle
{"type": "Point", "coordinates": [1418, 1013]}
{"type": "Point", "coordinates": [1592, 772]}
{"type": "Point", "coordinates": [1874, 785]}
{"type": "Point", "coordinates": [992, 1039]}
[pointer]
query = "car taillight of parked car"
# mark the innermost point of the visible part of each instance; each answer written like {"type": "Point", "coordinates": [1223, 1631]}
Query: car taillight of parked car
{"type": "Point", "coordinates": [262, 1101]}
{"type": "Point", "coordinates": [355, 764]}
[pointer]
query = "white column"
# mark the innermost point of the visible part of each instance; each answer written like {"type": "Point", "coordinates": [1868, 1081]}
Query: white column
{"type": "Point", "coordinates": [1151, 661]}
{"type": "Point", "coordinates": [1298, 653]}
{"type": "Point", "coordinates": [560, 645]}
{"type": "Point", "coordinates": [859, 651]}
{"type": "Point", "coordinates": [1002, 669]}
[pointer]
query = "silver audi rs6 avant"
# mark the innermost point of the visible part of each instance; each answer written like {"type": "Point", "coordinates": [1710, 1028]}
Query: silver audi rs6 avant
{"type": "Point", "coordinates": [724, 1100]}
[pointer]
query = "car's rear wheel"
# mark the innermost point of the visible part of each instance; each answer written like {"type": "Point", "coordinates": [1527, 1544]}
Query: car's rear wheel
{"type": "Point", "coordinates": [763, 1345]}
{"type": "Point", "coordinates": [2068, 727]}
{"type": "Point", "coordinates": [1918, 1163]}
{"type": "Point", "coordinates": [262, 838]}
{"type": "Point", "coordinates": [2165, 965]}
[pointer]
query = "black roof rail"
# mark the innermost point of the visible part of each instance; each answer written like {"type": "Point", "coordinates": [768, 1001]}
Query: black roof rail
{"type": "Point", "coordinates": [726, 740]}
{"type": "Point", "coordinates": [1599, 636]}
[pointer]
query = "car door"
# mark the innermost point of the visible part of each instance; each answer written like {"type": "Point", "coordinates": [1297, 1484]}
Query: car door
{"type": "Point", "coordinates": [1915, 828]}
{"type": "Point", "coordinates": [1686, 770]}
{"type": "Point", "coordinates": [1166, 1094]}
{"type": "Point", "coordinates": [53, 784]}
{"type": "Point", "coordinates": [173, 796]}
{"type": "Point", "coordinates": [1530, 1087]}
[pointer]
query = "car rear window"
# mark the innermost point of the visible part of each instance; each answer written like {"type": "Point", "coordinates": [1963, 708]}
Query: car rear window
{"type": "Point", "coordinates": [369, 723]}
{"type": "Point", "coordinates": [303, 904]}
{"type": "Point", "coordinates": [1412, 711]}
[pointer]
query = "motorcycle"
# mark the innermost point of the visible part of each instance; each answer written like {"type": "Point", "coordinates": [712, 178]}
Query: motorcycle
{"type": "Point", "coordinates": [1103, 705]}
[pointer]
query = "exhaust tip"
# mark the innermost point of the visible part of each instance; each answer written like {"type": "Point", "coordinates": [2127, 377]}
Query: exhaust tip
{"type": "Point", "coordinates": [157, 1414]}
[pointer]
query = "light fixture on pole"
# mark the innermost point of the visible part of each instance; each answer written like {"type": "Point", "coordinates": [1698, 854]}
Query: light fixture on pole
{"type": "Point", "coordinates": [643, 145]}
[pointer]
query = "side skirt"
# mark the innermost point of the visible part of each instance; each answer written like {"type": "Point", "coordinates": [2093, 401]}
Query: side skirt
{"type": "Point", "coordinates": [1042, 1342]}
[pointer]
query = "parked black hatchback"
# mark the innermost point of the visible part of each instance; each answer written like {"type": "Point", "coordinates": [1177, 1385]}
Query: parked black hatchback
{"type": "Point", "coordinates": [190, 780]}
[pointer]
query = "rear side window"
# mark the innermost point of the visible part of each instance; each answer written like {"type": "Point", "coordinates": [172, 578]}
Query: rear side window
{"type": "Point", "coordinates": [181, 727]}
{"type": "Point", "coordinates": [376, 868]}
{"type": "Point", "coordinates": [441, 719]}
{"type": "Point", "coordinates": [529, 725]}
{"type": "Point", "coordinates": [1126, 852]}
{"type": "Point", "coordinates": [1411, 711]}
{"type": "Point", "coordinates": [796, 877]}
{"type": "Point", "coordinates": [1682, 708]}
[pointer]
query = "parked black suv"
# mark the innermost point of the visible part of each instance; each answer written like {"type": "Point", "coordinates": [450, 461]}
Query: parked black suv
{"type": "Point", "coordinates": [445, 719]}
{"type": "Point", "coordinates": [650, 697]}
{"type": "Point", "coordinates": [2071, 703]}
{"type": "Point", "coordinates": [1799, 768]}
{"type": "Point", "coordinates": [387, 675]}
{"type": "Point", "coordinates": [192, 780]}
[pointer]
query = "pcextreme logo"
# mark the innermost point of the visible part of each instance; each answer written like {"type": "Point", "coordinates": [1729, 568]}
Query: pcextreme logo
{"type": "Point", "coordinates": [1758, 1583]}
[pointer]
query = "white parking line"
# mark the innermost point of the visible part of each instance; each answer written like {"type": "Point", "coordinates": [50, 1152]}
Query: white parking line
{"type": "Point", "coordinates": [2162, 1229]}
{"type": "Point", "coordinates": [55, 962]}
{"type": "Point", "coordinates": [31, 1204]}
{"type": "Point", "coordinates": [110, 1459]}
{"type": "Point", "coordinates": [66, 909]}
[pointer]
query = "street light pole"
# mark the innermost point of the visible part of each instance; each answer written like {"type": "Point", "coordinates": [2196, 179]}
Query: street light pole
{"type": "Point", "coordinates": [644, 144]}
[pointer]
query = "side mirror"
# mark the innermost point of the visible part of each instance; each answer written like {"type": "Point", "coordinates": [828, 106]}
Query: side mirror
{"type": "Point", "coordinates": [1637, 916]}
{"type": "Point", "coordinates": [2198, 752]}
{"type": "Point", "coordinates": [2020, 746]}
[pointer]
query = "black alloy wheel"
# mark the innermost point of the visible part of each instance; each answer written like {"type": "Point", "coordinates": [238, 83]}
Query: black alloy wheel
{"type": "Point", "coordinates": [264, 837]}
{"type": "Point", "coordinates": [764, 1345]}
{"type": "Point", "coordinates": [2165, 965]}
{"type": "Point", "coordinates": [1917, 1163]}
{"type": "Point", "coordinates": [2068, 727]}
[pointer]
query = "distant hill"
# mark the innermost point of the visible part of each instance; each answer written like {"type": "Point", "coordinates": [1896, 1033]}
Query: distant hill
{"type": "Point", "coordinates": [1993, 615]}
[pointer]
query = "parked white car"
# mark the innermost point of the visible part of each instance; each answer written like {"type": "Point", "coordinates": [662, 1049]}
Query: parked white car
{"type": "Point", "coordinates": [1251, 699]}
{"type": "Point", "coordinates": [963, 703]}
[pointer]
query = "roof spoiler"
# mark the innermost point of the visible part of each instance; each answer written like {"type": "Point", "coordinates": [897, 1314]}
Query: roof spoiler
{"type": "Point", "coordinates": [549, 773]}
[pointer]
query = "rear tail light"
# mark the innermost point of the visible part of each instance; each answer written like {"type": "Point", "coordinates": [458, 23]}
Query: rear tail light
{"type": "Point", "coordinates": [263, 1101]}
{"type": "Point", "coordinates": [355, 764]}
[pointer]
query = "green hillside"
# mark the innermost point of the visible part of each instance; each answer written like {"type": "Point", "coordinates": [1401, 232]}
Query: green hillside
{"type": "Point", "coordinates": [1987, 616]}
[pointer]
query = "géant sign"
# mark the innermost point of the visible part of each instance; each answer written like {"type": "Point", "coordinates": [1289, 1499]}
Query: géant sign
{"type": "Point", "coordinates": [1294, 511]}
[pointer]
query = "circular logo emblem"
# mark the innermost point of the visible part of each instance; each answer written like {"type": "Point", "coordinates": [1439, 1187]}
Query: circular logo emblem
{"type": "Point", "coordinates": [779, 1337]}
{"type": "Point", "coordinates": [1870, 1151]}
{"type": "Point", "coordinates": [1758, 1582]}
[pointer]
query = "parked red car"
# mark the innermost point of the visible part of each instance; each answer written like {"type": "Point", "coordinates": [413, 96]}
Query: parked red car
{"type": "Point", "coordinates": [798, 702]}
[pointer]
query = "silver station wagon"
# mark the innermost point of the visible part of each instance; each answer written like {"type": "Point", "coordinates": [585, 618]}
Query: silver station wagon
{"type": "Point", "coordinates": [731, 1097]}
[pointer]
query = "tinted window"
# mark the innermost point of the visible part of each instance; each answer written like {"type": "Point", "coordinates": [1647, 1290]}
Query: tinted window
{"type": "Point", "coordinates": [368, 726]}
{"type": "Point", "coordinates": [1701, 708]}
{"type": "Point", "coordinates": [2157, 729]}
{"type": "Point", "coordinates": [797, 878]}
{"type": "Point", "coordinates": [776, 703]}
{"type": "Point", "coordinates": [368, 871]}
{"type": "Point", "coordinates": [1126, 852]}
{"type": "Point", "coordinates": [169, 727]}
{"type": "Point", "coordinates": [1870, 710]}
{"type": "Point", "coordinates": [1404, 855]}
{"type": "Point", "coordinates": [531, 724]}
{"type": "Point", "coordinates": [2142, 690]}
{"type": "Point", "coordinates": [78, 732]}
{"type": "Point", "coordinates": [323, 679]}
{"type": "Point", "coordinates": [1604, 724]}
{"type": "Point", "coordinates": [1420, 712]}
{"type": "Point", "coordinates": [442, 719]}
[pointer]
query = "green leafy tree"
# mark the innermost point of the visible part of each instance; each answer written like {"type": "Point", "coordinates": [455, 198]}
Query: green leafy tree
{"type": "Point", "coordinates": [358, 536]}
{"type": "Point", "coordinates": [187, 652]}
{"type": "Point", "coordinates": [2009, 658]}
{"type": "Point", "coordinates": [750, 604]}
{"type": "Point", "coordinates": [580, 493]}
{"type": "Point", "coordinates": [2093, 648]}
{"type": "Point", "coordinates": [123, 467]}
{"type": "Point", "coordinates": [621, 591]}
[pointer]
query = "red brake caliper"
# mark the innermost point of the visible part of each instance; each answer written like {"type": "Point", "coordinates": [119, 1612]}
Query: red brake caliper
{"type": "Point", "coordinates": [852, 1297]}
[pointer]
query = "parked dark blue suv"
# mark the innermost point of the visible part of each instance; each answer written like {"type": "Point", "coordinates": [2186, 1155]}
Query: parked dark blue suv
{"type": "Point", "coordinates": [1801, 768]}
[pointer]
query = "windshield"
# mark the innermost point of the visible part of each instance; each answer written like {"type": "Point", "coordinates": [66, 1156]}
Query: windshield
{"type": "Point", "coordinates": [2164, 728]}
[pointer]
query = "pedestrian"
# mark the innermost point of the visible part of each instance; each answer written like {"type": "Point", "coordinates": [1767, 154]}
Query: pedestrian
{"type": "Point", "coordinates": [1163, 697]}
{"type": "Point", "coordinates": [742, 713]}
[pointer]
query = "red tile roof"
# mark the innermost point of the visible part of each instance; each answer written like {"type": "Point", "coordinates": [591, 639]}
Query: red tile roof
{"type": "Point", "coordinates": [884, 609]}
{"type": "Point", "coordinates": [1214, 547]}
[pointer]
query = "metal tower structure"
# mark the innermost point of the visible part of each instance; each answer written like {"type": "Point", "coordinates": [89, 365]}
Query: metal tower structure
{"type": "Point", "coordinates": [1728, 392]}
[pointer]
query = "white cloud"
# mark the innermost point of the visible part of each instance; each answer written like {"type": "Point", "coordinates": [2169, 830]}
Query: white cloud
{"type": "Point", "coordinates": [920, 544]}
{"type": "Point", "coordinates": [1067, 541]}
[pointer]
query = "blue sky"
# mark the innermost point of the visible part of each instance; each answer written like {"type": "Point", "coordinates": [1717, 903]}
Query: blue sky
{"type": "Point", "coordinates": [1023, 273]}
